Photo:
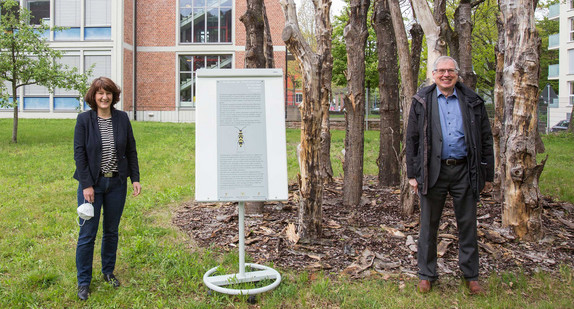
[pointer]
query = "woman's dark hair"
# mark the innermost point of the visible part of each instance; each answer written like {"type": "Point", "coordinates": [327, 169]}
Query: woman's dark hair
{"type": "Point", "coordinates": [102, 83]}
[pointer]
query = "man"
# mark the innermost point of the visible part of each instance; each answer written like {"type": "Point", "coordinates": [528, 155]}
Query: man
{"type": "Point", "coordinates": [449, 151]}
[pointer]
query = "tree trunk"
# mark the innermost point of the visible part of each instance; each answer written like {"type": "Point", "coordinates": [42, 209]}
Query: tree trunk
{"type": "Point", "coordinates": [254, 34]}
{"type": "Point", "coordinates": [417, 36]}
{"type": "Point", "coordinates": [449, 38]}
{"type": "Point", "coordinates": [389, 111]}
{"type": "Point", "coordinates": [463, 27]}
{"type": "Point", "coordinates": [436, 45]}
{"type": "Point", "coordinates": [516, 122]}
{"type": "Point", "coordinates": [310, 179]}
{"type": "Point", "coordinates": [408, 90]}
{"type": "Point", "coordinates": [256, 50]}
{"type": "Point", "coordinates": [15, 117]}
{"type": "Point", "coordinates": [355, 34]}
{"type": "Point", "coordinates": [268, 46]}
{"type": "Point", "coordinates": [324, 32]}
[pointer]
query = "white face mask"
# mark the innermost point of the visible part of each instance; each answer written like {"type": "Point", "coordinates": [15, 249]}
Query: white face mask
{"type": "Point", "coordinates": [86, 211]}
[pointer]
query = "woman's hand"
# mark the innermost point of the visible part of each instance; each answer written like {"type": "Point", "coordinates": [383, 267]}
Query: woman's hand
{"type": "Point", "coordinates": [89, 194]}
{"type": "Point", "coordinates": [137, 188]}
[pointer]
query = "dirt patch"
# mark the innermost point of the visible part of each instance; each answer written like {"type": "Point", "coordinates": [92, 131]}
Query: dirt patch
{"type": "Point", "coordinates": [374, 237]}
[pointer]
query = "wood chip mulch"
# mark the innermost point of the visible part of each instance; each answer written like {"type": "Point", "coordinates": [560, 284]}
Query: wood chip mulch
{"type": "Point", "coordinates": [374, 237]}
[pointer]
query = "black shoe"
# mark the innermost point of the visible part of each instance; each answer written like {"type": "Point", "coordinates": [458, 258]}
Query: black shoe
{"type": "Point", "coordinates": [83, 292]}
{"type": "Point", "coordinates": [111, 279]}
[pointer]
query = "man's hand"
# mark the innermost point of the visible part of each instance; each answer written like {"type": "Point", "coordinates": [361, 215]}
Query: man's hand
{"type": "Point", "coordinates": [414, 185]}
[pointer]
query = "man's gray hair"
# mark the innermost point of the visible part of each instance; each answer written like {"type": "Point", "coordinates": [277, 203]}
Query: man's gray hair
{"type": "Point", "coordinates": [443, 59]}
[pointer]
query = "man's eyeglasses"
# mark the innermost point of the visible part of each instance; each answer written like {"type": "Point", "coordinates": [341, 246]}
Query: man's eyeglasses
{"type": "Point", "coordinates": [443, 71]}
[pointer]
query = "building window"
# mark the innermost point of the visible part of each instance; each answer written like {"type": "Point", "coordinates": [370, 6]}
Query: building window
{"type": "Point", "coordinates": [571, 96]}
{"type": "Point", "coordinates": [188, 65]}
{"type": "Point", "coordinates": [40, 11]}
{"type": "Point", "coordinates": [298, 98]}
{"type": "Point", "coordinates": [205, 21]}
{"type": "Point", "coordinates": [94, 25]}
{"type": "Point", "coordinates": [571, 61]}
{"type": "Point", "coordinates": [571, 20]}
{"type": "Point", "coordinates": [67, 100]}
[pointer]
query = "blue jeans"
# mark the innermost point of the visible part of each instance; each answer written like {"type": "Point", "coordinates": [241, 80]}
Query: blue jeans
{"type": "Point", "coordinates": [110, 194]}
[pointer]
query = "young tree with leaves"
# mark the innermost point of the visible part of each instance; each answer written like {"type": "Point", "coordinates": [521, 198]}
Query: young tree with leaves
{"type": "Point", "coordinates": [26, 58]}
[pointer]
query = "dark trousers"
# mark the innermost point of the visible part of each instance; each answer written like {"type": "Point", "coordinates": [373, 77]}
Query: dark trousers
{"type": "Point", "coordinates": [452, 180]}
{"type": "Point", "coordinates": [110, 195]}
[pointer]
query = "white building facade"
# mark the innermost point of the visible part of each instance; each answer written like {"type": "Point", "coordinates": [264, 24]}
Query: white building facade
{"type": "Point", "coordinates": [564, 70]}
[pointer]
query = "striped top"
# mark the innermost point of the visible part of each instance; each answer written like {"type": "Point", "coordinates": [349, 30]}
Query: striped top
{"type": "Point", "coordinates": [109, 158]}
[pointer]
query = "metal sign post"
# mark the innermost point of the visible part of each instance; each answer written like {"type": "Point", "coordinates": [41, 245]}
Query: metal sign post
{"type": "Point", "coordinates": [216, 283]}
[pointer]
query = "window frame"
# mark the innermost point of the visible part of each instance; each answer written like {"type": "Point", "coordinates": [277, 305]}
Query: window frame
{"type": "Point", "coordinates": [228, 57]}
{"type": "Point", "coordinates": [224, 19]}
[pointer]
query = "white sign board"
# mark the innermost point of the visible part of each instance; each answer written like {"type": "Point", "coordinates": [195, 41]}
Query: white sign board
{"type": "Point", "coordinates": [240, 146]}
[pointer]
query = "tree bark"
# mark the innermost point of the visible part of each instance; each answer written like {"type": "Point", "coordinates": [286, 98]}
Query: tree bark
{"type": "Point", "coordinates": [310, 178]}
{"type": "Point", "coordinates": [463, 27]}
{"type": "Point", "coordinates": [355, 34]}
{"type": "Point", "coordinates": [254, 34]}
{"type": "Point", "coordinates": [516, 121]}
{"type": "Point", "coordinates": [408, 90]}
{"type": "Point", "coordinates": [257, 37]}
{"type": "Point", "coordinates": [268, 46]}
{"type": "Point", "coordinates": [324, 32]}
{"type": "Point", "coordinates": [417, 36]}
{"type": "Point", "coordinates": [449, 38]}
{"type": "Point", "coordinates": [436, 46]}
{"type": "Point", "coordinates": [389, 111]}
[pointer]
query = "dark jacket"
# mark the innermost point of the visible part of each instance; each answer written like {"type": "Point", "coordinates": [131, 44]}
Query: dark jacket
{"type": "Point", "coordinates": [88, 148]}
{"type": "Point", "coordinates": [478, 138]}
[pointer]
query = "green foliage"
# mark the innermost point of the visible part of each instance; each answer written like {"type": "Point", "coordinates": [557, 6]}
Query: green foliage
{"type": "Point", "coordinates": [27, 59]}
{"type": "Point", "coordinates": [339, 52]}
{"type": "Point", "coordinates": [484, 38]}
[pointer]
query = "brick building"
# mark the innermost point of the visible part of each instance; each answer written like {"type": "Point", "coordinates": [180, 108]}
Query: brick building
{"type": "Point", "coordinates": [151, 48]}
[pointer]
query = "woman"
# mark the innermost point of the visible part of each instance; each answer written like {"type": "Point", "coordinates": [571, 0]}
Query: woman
{"type": "Point", "coordinates": [105, 155]}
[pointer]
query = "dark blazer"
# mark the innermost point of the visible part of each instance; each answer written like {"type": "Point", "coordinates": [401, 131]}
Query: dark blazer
{"type": "Point", "coordinates": [423, 146]}
{"type": "Point", "coordinates": [88, 148]}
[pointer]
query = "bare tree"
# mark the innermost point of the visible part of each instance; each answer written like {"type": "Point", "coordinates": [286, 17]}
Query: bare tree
{"type": "Point", "coordinates": [314, 65]}
{"type": "Point", "coordinates": [355, 35]}
{"type": "Point", "coordinates": [307, 21]}
{"type": "Point", "coordinates": [463, 27]}
{"type": "Point", "coordinates": [258, 54]}
{"type": "Point", "coordinates": [436, 44]}
{"type": "Point", "coordinates": [408, 90]}
{"type": "Point", "coordinates": [441, 38]}
{"type": "Point", "coordinates": [516, 122]}
{"type": "Point", "coordinates": [254, 34]}
{"type": "Point", "coordinates": [268, 44]}
{"type": "Point", "coordinates": [389, 110]}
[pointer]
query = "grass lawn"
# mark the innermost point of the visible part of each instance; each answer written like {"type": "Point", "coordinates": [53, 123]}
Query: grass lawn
{"type": "Point", "coordinates": [161, 267]}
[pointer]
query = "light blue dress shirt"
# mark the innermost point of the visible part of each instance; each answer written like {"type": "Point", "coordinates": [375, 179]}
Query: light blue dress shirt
{"type": "Point", "coordinates": [453, 144]}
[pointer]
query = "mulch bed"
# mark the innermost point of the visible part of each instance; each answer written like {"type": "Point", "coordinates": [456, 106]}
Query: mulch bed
{"type": "Point", "coordinates": [374, 237]}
